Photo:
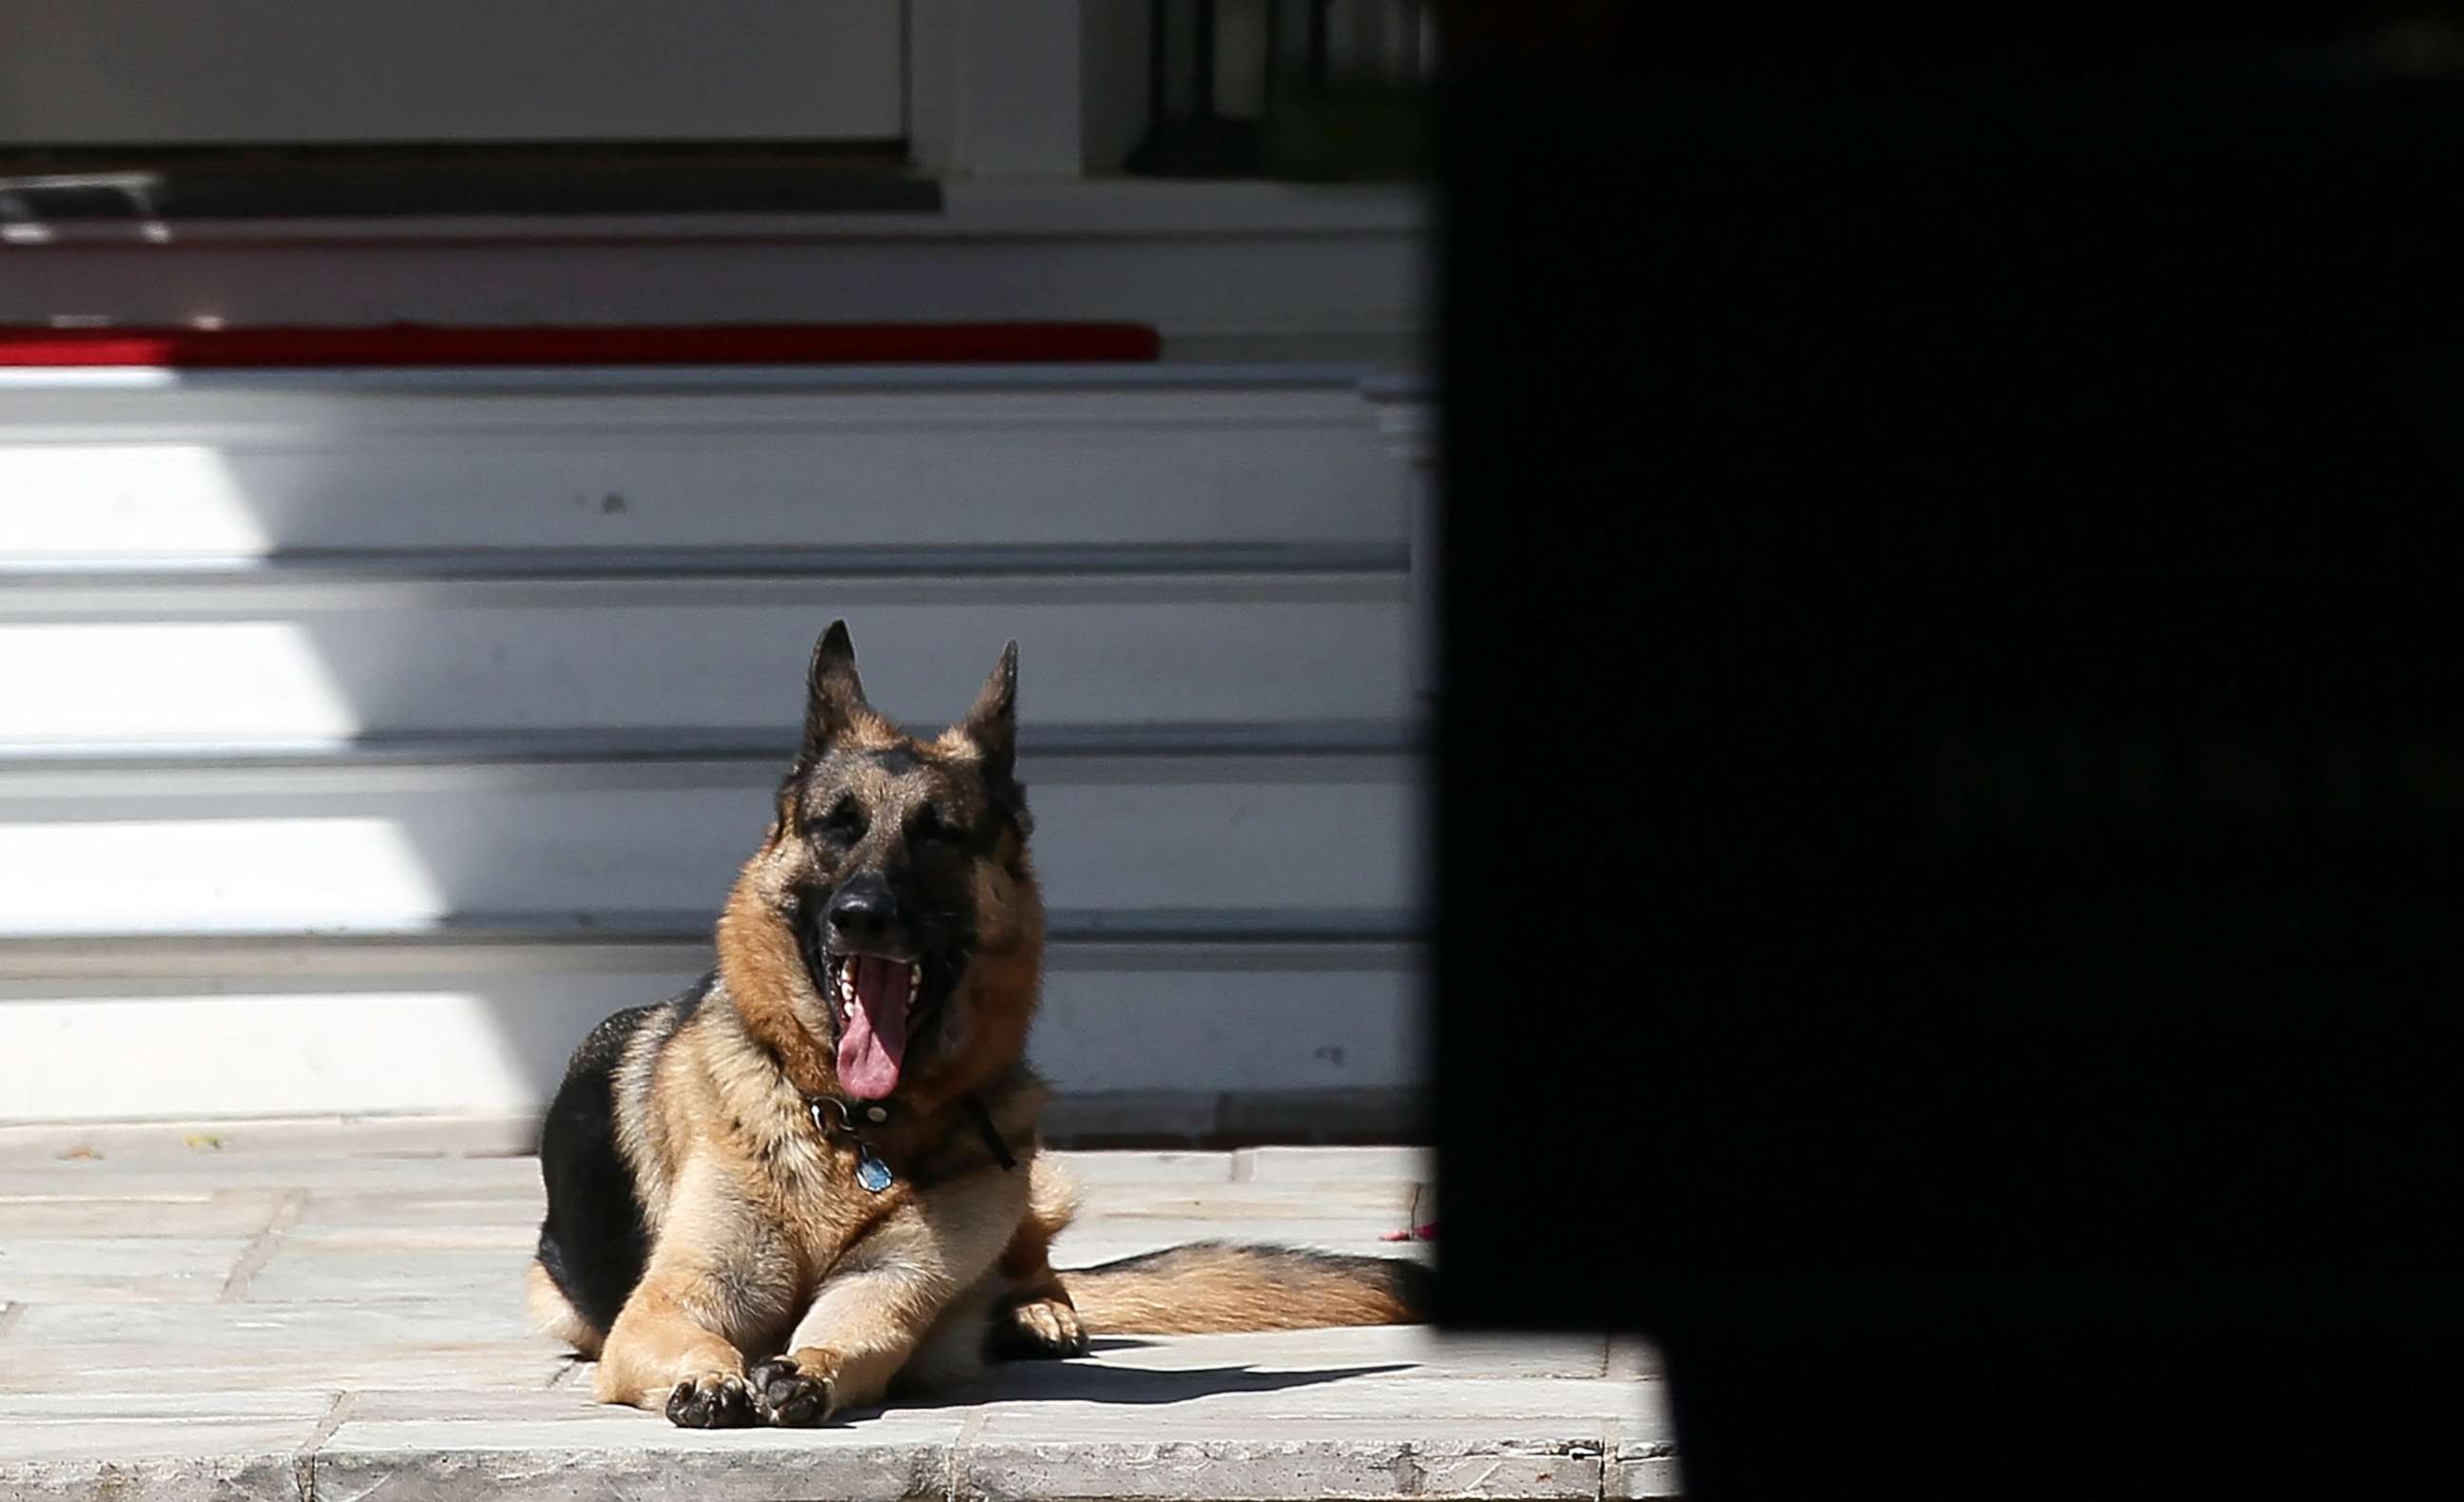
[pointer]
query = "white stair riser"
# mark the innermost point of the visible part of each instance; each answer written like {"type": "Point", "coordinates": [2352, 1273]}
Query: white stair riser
{"type": "Point", "coordinates": [145, 475]}
{"type": "Point", "coordinates": [237, 852]}
{"type": "Point", "coordinates": [500, 1043]}
{"type": "Point", "coordinates": [239, 662]}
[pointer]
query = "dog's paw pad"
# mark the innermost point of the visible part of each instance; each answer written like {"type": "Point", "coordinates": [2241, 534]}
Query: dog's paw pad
{"type": "Point", "coordinates": [711, 1402]}
{"type": "Point", "coordinates": [789, 1396]}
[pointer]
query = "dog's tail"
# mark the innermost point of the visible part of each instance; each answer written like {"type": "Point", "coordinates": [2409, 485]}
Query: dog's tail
{"type": "Point", "coordinates": [1210, 1286]}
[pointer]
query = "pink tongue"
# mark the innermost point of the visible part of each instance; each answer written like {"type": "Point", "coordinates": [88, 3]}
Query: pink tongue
{"type": "Point", "coordinates": [872, 1038]}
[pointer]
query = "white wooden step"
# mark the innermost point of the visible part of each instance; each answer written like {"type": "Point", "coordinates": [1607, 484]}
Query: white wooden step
{"type": "Point", "coordinates": [364, 737]}
{"type": "Point", "coordinates": [217, 469]}
{"type": "Point", "coordinates": [451, 1027]}
{"type": "Point", "coordinates": [318, 658]}
{"type": "Point", "coordinates": [347, 843]}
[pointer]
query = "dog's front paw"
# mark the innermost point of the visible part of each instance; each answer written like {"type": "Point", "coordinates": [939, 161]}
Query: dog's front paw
{"type": "Point", "coordinates": [788, 1396]}
{"type": "Point", "coordinates": [716, 1402]}
{"type": "Point", "coordinates": [1038, 1328]}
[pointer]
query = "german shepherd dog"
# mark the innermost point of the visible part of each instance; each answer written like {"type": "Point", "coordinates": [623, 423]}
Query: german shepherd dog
{"type": "Point", "coordinates": [812, 1180]}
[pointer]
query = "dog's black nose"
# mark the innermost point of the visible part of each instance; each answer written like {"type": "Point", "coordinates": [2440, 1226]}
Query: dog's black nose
{"type": "Point", "coordinates": [862, 912]}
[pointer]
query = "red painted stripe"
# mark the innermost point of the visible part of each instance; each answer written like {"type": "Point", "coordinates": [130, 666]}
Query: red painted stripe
{"type": "Point", "coordinates": [715, 345]}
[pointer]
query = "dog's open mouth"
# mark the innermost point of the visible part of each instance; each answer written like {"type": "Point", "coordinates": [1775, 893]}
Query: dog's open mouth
{"type": "Point", "coordinates": [877, 998]}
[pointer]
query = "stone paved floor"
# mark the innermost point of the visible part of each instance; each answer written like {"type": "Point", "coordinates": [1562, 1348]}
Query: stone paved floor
{"type": "Point", "coordinates": [333, 1310]}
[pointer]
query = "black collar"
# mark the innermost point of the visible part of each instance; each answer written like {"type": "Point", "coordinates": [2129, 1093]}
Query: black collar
{"type": "Point", "coordinates": [855, 1116]}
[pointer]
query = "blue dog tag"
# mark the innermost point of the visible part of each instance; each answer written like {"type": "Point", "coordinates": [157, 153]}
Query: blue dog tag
{"type": "Point", "coordinates": [871, 1173]}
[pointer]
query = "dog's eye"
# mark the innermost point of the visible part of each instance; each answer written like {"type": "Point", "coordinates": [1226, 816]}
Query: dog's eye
{"type": "Point", "coordinates": [925, 825]}
{"type": "Point", "coordinates": [846, 821]}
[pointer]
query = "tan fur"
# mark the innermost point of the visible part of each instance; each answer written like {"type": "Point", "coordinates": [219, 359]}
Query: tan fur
{"type": "Point", "coordinates": [1038, 1315]}
{"type": "Point", "coordinates": [555, 1318]}
{"type": "Point", "coordinates": [754, 1216]}
{"type": "Point", "coordinates": [1211, 1287]}
{"type": "Point", "coordinates": [891, 1286]}
{"type": "Point", "coordinates": [770, 1267]}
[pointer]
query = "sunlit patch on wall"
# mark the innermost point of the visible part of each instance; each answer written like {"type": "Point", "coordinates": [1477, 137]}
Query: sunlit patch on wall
{"type": "Point", "coordinates": [168, 680]}
{"type": "Point", "coordinates": [94, 499]}
{"type": "Point", "coordinates": [213, 876]}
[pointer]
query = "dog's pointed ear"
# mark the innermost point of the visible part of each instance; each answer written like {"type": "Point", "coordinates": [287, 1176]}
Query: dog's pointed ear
{"type": "Point", "coordinates": [833, 694]}
{"type": "Point", "coordinates": [992, 722]}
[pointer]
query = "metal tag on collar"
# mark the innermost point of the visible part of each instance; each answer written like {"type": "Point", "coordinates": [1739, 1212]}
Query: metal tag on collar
{"type": "Point", "coordinates": [869, 1170]}
{"type": "Point", "coordinates": [875, 1112]}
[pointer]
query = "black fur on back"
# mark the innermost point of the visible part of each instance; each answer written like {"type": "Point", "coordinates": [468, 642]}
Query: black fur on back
{"type": "Point", "coordinates": [593, 1242]}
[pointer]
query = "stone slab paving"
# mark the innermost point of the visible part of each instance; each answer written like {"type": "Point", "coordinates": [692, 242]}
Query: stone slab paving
{"type": "Point", "coordinates": [333, 1310]}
